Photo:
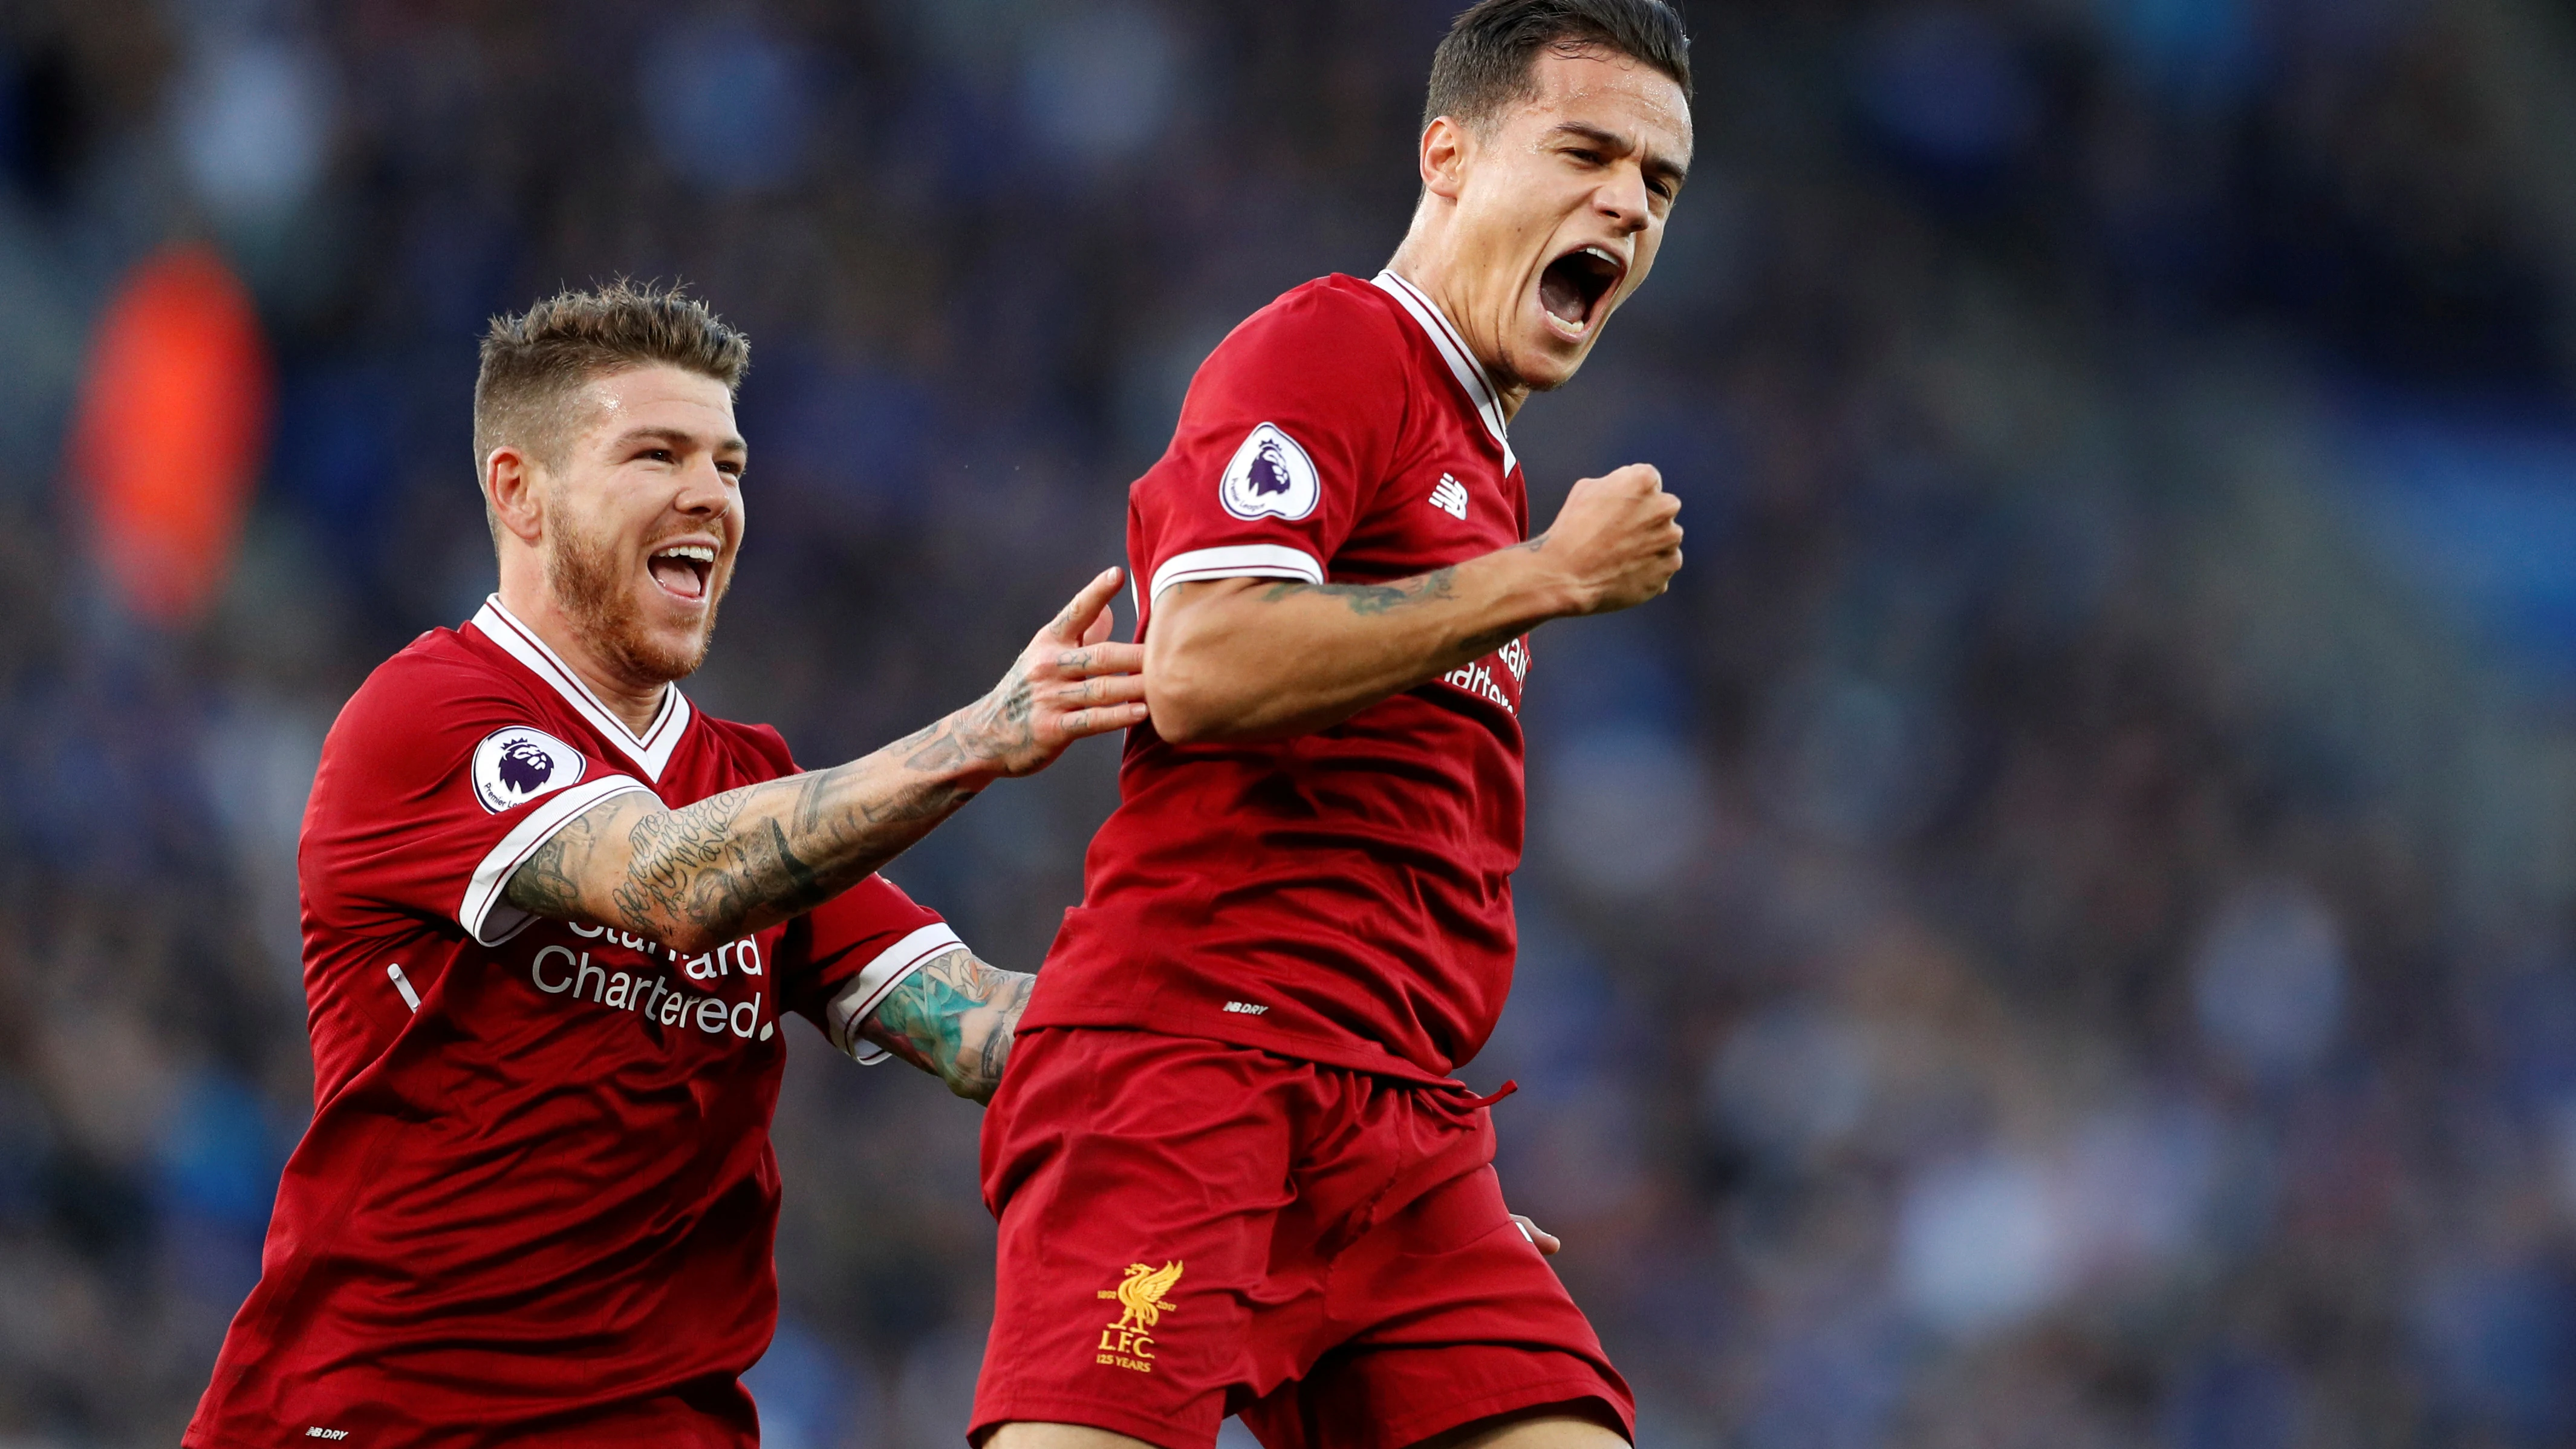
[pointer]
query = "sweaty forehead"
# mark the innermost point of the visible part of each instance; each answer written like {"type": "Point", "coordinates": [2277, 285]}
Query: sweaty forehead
{"type": "Point", "coordinates": [661, 397]}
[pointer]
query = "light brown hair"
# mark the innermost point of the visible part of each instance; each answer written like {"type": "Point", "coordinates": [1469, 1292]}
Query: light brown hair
{"type": "Point", "coordinates": [535, 362]}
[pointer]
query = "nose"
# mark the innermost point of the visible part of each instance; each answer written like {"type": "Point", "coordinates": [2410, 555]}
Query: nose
{"type": "Point", "coordinates": [1622, 199]}
{"type": "Point", "coordinates": [703, 491]}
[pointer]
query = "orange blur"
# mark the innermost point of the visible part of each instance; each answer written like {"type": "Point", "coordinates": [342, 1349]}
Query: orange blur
{"type": "Point", "coordinates": [173, 423]}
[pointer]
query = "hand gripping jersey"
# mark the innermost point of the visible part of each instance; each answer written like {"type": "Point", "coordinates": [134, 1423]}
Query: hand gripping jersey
{"type": "Point", "coordinates": [537, 1199]}
{"type": "Point", "coordinates": [1345, 896]}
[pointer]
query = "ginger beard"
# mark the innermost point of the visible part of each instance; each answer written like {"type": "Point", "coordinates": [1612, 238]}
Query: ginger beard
{"type": "Point", "coordinates": [591, 585]}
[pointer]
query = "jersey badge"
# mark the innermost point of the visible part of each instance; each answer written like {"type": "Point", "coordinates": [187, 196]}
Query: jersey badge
{"type": "Point", "coordinates": [1129, 1342]}
{"type": "Point", "coordinates": [1450, 497]}
{"type": "Point", "coordinates": [516, 765]}
{"type": "Point", "coordinates": [1270, 477]}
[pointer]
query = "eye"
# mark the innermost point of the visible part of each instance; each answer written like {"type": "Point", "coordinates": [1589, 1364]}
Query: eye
{"type": "Point", "coordinates": [730, 469]}
{"type": "Point", "coordinates": [659, 455]}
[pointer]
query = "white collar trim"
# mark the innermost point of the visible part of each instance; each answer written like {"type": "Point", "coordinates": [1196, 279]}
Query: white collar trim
{"type": "Point", "coordinates": [1463, 365]}
{"type": "Point", "coordinates": [651, 749]}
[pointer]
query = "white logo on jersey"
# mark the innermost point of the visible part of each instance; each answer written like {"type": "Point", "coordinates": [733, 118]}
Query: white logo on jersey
{"type": "Point", "coordinates": [1450, 497]}
{"type": "Point", "coordinates": [651, 995]}
{"type": "Point", "coordinates": [516, 765]}
{"type": "Point", "coordinates": [1270, 477]}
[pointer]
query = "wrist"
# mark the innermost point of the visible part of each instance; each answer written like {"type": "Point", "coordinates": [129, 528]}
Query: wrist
{"type": "Point", "coordinates": [1537, 589]}
{"type": "Point", "coordinates": [981, 755]}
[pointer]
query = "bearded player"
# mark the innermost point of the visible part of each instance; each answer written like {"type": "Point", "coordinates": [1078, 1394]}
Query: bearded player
{"type": "Point", "coordinates": [1233, 1172]}
{"type": "Point", "coordinates": [553, 916]}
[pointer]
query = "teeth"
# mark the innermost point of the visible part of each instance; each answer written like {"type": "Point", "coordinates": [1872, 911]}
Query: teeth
{"type": "Point", "coordinates": [1603, 255]}
{"type": "Point", "coordinates": [698, 551]}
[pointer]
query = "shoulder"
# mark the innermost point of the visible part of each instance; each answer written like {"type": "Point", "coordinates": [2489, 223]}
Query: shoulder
{"type": "Point", "coordinates": [1335, 308]}
{"type": "Point", "coordinates": [756, 752]}
{"type": "Point", "coordinates": [432, 676]}
{"type": "Point", "coordinates": [438, 687]}
{"type": "Point", "coordinates": [1338, 324]}
{"type": "Point", "coordinates": [1328, 359]}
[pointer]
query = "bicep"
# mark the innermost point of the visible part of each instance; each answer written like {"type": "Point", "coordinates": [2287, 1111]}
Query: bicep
{"type": "Point", "coordinates": [1186, 616]}
{"type": "Point", "coordinates": [574, 876]}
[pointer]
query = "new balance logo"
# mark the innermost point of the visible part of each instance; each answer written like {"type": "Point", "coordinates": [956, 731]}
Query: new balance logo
{"type": "Point", "coordinates": [1245, 1008]}
{"type": "Point", "coordinates": [318, 1432]}
{"type": "Point", "coordinates": [1450, 497]}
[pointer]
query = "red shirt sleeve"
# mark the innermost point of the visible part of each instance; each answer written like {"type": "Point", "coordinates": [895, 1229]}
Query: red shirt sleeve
{"type": "Point", "coordinates": [436, 782]}
{"type": "Point", "coordinates": [851, 951]}
{"type": "Point", "coordinates": [1288, 429]}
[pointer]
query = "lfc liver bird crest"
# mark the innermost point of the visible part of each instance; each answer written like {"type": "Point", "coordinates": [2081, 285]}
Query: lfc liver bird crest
{"type": "Point", "coordinates": [1141, 1294]}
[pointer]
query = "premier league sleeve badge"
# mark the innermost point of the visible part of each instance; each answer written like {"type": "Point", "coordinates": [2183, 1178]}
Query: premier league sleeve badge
{"type": "Point", "coordinates": [515, 766]}
{"type": "Point", "coordinates": [1270, 477]}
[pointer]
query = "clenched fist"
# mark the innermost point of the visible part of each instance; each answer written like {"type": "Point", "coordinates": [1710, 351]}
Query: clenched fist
{"type": "Point", "coordinates": [1614, 544]}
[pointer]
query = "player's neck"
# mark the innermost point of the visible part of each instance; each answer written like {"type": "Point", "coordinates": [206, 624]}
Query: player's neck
{"type": "Point", "coordinates": [634, 703]}
{"type": "Point", "coordinates": [1437, 274]}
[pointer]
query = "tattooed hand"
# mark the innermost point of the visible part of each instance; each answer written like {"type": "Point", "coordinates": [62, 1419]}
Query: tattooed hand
{"type": "Point", "coordinates": [953, 1018]}
{"type": "Point", "coordinates": [1070, 682]}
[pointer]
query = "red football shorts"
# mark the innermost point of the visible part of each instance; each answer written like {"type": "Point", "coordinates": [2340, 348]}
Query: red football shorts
{"type": "Point", "coordinates": [1192, 1229]}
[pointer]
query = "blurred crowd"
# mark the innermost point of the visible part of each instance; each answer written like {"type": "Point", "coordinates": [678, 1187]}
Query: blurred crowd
{"type": "Point", "coordinates": [2057, 932]}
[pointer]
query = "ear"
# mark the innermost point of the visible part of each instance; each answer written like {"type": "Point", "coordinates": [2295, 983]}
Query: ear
{"type": "Point", "coordinates": [510, 486]}
{"type": "Point", "coordinates": [1444, 158]}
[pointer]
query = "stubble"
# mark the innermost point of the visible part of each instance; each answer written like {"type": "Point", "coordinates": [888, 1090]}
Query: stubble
{"type": "Point", "coordinates": [588, 581]}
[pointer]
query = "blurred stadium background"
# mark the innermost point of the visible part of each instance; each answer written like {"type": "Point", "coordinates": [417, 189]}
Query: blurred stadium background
{"type": "Point", "coordinates": [2058, 932]}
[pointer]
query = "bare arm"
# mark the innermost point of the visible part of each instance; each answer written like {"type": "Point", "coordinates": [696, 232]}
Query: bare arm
{"type": "Point", "coordinates": [954, 1018]}
{"type": "Point", "coordinates": [697, 877]}
{"type": "Point", "coordinates": [1251, 659]}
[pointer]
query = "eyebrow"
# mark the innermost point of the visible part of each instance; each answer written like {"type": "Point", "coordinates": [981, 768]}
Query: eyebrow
{"type": "Point", "coordinates": [1655, 164]}
{"type": "Point", "coordinates": [632, 436]}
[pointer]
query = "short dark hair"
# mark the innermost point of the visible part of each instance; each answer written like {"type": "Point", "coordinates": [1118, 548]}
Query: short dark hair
{"type": "Point", "coordinates": [533, 363]}
{"type": "Point", "coordinates": [1483, 63]}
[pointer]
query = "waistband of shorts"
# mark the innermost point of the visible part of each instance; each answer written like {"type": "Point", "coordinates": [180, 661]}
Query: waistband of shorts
{"type": "Point", "coordinates": [1392, 1070]}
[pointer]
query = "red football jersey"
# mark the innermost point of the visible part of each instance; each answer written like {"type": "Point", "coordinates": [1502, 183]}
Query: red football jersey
{"type": "Point", "coordinates": [537, 1200]}
{"type": "Point", "coordinates": [1344, 896]}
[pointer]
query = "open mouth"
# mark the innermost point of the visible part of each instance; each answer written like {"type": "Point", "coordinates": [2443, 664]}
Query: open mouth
{"type": "Point", "coordinates": [682, 569]}
{"type": "Point", "coordinates": [1573, 286]}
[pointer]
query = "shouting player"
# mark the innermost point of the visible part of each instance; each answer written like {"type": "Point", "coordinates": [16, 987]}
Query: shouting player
{"type": "Point", "coordinates": [1232, 1171]}
{"type": "Point", "coordinates": [552, 918]}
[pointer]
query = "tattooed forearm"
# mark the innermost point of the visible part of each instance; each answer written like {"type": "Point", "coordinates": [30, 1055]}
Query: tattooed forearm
{"type": "Point", "coordinates": [1374, 598]}
{"type": "Point", "coordinates": [674, 856]}
{"type": "Point", "coordinates": [708, 873]}
{"type": "Point", "coordinates": [1437, 586]}
{"type": "Point", "coordinates": [1246, 660]}
{"type": "Point", "coordinates": [953, 1018]}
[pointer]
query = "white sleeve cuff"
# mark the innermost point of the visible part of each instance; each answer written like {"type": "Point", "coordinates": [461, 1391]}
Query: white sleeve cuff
{"type": "Point", "coordinates": [1238, 561]}
{"type": "Point", "coordinates": [862, 994]}
{"type": "Point", "coordinates": [488, 918]}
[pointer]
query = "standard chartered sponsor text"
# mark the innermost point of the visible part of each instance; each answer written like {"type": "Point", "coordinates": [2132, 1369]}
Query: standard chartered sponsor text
{"type": "Point", "coordinates": [560, 970]}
